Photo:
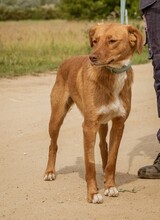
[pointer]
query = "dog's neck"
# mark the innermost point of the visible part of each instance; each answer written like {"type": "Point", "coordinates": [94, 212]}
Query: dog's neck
{"type": "Point", "coordinates": [114, 70]}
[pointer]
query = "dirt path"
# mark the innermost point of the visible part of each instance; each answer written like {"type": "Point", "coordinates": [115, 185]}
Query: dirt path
{"type": "Point", "coordinates": [24, 116]}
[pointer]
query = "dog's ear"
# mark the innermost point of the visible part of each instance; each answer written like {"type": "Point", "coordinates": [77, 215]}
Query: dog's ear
{"type": "Point", "coordinates": [135, 38]}
{"type": "Point", "coordinates": [92, 31]}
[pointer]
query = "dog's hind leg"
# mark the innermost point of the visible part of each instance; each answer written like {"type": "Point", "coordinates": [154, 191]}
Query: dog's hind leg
{"type": "Point", "coordinates": [103, 130]}
{"type": "Point", "coordinates": [60, 104]}
{"type": "Point", "coordinates": [115, 139]}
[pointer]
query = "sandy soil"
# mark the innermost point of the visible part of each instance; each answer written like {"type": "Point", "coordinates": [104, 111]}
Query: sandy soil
{"type": "Point", "coordinates": [24, 116]}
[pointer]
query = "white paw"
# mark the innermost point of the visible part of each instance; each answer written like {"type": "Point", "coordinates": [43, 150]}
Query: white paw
{"type": "Point", "coordinates": [97, 198]}
{"type": "Point", "coordinates": [112, 192]}
{"type": "Point", "coordinates": [50, 177]}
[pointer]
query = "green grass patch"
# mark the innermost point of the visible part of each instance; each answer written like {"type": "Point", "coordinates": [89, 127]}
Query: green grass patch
{"type": "Point", "coordinates": [18, 61]}
{"type": "Point", "coordinates": [142, 58]}
{"type": "Point", "coordinates": [31, 47]}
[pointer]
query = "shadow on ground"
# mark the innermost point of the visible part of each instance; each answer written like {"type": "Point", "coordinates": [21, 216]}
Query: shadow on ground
{"type": "Point", "coordinates": [148, 146]}
{"type": "Point", "coordinates": [121, 178]}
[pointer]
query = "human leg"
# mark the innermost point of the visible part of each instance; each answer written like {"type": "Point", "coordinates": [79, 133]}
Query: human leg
{"type": "Point", "coordinates": [152, 17]}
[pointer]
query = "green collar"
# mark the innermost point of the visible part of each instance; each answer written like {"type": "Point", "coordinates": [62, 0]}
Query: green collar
{"type": "Point", "coordinates": [119, 70]}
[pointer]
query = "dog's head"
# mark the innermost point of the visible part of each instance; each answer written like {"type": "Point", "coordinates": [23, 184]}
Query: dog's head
{"type": "Point", "coordinates": [113, 44]}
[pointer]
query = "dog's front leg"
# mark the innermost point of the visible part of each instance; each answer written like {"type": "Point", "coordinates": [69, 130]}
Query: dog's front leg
{"type": "Point", "coordinates": [89, 131]}
{"type": "Point", "coordinates": [115, 139]}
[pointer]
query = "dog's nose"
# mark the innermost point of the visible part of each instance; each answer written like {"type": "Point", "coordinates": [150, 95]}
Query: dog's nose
{"type": "Point", "coordinates": [93, 58]}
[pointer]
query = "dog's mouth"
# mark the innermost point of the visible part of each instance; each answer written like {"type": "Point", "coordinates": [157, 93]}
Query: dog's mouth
{"type": "Point", "coordinates": [113, 62]}
{"type": "Point", "coordinates": [95, 62]}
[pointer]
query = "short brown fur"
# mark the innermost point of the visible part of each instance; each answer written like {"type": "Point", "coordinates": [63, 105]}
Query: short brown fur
{"type": "Point", "coordinates": [100, 95]}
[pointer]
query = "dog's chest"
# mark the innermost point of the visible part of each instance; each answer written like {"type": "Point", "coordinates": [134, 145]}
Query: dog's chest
{"type": "Point", "coordinates": [115, 107]}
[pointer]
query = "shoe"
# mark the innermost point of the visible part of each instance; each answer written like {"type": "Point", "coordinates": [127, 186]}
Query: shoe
{"type": "Point", "coordinates": [152, 171]}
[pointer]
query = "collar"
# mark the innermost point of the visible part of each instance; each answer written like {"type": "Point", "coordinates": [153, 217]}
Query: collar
{"type": "Point", "coordinates": [119, 70]}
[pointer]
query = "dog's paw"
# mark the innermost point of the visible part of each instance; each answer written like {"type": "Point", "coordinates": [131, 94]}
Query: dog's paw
{"type": "Point", "coordinates": [49, 177]}
{"type": "Point", "coordinates": [112, 192]}
{"type": "Point", "coordinates": [97, 199]}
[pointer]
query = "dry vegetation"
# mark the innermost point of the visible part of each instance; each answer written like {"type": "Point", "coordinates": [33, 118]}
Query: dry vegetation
{"type": "Point", "coordinates": [39, 46]}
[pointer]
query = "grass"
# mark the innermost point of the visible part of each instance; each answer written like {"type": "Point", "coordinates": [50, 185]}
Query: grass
{"type": "Point", "coordinates": [141, 59]}
{"type": "Point", "coordinates": [32, 47]}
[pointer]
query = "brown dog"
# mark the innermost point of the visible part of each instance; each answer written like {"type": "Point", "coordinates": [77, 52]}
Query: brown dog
{"type": "Point", "coordinates": [100, 85]}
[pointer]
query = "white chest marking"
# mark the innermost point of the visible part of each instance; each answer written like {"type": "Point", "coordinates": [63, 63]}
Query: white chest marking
{"type": "Point", "coordinates": [114, 108]}
{"type": "Point", "coordinates": [119, 83]}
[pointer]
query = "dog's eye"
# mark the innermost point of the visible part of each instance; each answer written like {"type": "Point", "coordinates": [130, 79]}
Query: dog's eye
{"type": "Point", "coordinates": [112, 41]}
{"type": "Point", "coordinates": [94, 41]}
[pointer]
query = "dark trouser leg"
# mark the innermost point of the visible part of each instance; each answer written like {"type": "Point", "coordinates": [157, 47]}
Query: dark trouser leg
{"type": "Point", "coordinates": [152, 17]}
